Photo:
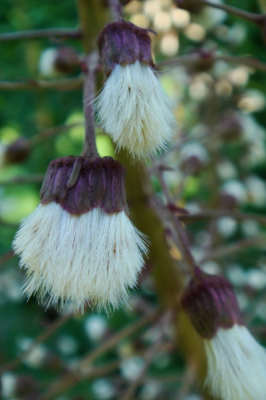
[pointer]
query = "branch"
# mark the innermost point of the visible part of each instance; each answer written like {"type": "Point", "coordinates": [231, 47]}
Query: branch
{"type": "Point", "coordinates": [214, 214]}
{"type": "Point", "coordinates": [116, 10]}
{"type": "Point", "coordinates": [50, 132]}
{"type": "Point", "coordinates": [34, 178]}
{"type": "Point", "coordinates": [89, 144]}
{"type": "Point", "coordinates": [40, 339]}
{"type": "Point", "coordinates": [5, 257]}
{"type": "Point", "coordinates": [193, 59]}
{"type": "Point", "coordinates": [227, 250]}
{"type": "Point", "coordinates": [58, 84]}
{"type": "Point", "coordinates": [184, 247]}
{"type": "Point", "coordinates": [67, 33]}
{"type": "Point", "coordinates": [149, 355]}
{"type": "Point", "coordinates": [256, 18]}
{"type": "Point", "coordinates": [84, 368]}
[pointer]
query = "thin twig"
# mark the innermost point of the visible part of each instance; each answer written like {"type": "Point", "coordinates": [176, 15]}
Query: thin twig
{"type": "Point", "coordinates": [214, 214]}
{"type": "Point", "coordinates": [50, 132]}
{"type": "Point", "coordinates": [5, 257]}
{"type": "Point", "coordinates": [148, 357]}
{"type": "Point", "coordinates": [68, 33]}
{"type": "Point", "coordinates": [248, 16]}
{"type": "Point", "coordinates": [40, 339]}
{"type": "Point", "coordinates": [58, 84]}
{"type": "Point", "coordinates": [232, 248]}
{"type": "Point", "coordinates": [187, 255]}
{"type": "Point", "coordinates": [116, 10]}
{"type": "Point", "coordinates": [84, 368]}
{"type": "Point", "coordinates": [190, 60]}
{"type": "Point", "coordinates": [89, 145]}
{"type": "Point", "coordinates": [34, 178]}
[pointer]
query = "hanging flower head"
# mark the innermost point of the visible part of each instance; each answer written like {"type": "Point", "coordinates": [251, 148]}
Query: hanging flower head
{"type": "Point", "coordinates": [15, 152]}
{"type": "Point", "coordinates": [79, 245]}
{"type": "Point", "coordinates": [236, 362]}
{"type": "Point", "coordinates": [132, 107]}
{"type": "Point", "coordinates": [58, 61]}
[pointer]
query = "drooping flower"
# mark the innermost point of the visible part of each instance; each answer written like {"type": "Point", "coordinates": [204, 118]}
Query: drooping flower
{"type": "Point", "coordinates": [132, 107]}
{"type": "Point", "coordinates": [79, 245]}
{"type": "Point", "coordinates": [236, 361]}
{"type": "Point", "coordinates": [58, 61]}
{"type": "Point", "coordinates": [15, 152]}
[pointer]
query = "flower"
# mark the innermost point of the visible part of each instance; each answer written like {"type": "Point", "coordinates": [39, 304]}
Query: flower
{"type": "Point", "coordinates": [236, 362]}
{"type": "Point", "coordinates": [236, 365]}
{"type": "Point", "coordinates": [58, 61]}
{"type": "Point", "coordinates": [132, 107]}
{"type": "Point", "coordinates": [14, 153]}
{"type": "Point", "coordinates": [79, 245]}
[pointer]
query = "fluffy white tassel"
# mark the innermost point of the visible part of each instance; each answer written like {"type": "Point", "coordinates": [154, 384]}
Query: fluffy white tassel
{"type": "Point", "coordinates": [47, 62]}
{"type": "Point", "coordinates": [236, 365]}
{"type": "Point", "coordinates": [135, 111]}
{"type": "Point", "coordinates": [91, 258]}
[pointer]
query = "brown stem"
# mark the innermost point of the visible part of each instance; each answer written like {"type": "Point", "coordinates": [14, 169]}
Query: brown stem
{"type": "Point", "coordinates": [84, 368]}
{"type": "Point", "coordinates": [51, 132]}
{"type": "Point", "coordinates": [148, 357]}
{"type": "Point", "coordinates": [37, 178]}
{"type": "Point", "coordinates": [116, 10]}
{"type": "Point", "coordinates": [58, 84]}
{"type": "Point", "coordinates": [187, 255]}
{"type": "Point", "coordinates": [214, 214]}
{"type": "Point", "coordinates": [89, 145]}
{"type": "Point", "coordinates": [232, 248]}
{"type": "Point", "coordinates": [42, 33]}
{"type": "Point", "coordinates": [189, 60]}
{"type": "Point", "coordinates": [93, 16]}
{"type": "Point", "coordinates": [5, 257]}
{"type": "Point", "coordinates": [256, 18]}
{"type": "Point", "coordinates": [40, 339]}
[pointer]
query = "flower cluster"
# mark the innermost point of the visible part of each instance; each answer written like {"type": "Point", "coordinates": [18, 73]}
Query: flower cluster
{"type": "Point", "coordinates": [79, 245]}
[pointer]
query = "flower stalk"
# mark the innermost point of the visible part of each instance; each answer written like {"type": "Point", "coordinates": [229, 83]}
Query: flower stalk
{"type": "Point", "coordinates": [89, 144]}
{"type": "Point", "coordinates": [116, 10]}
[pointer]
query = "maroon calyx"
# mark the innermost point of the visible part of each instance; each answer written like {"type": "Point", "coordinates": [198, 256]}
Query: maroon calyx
{"type": "Point", "coordinates": [66, 60]}
{"type": "Point", "coordinates": [122, 42]}
{"type": "Point", "coordinates": [210, 302]}
{"type": "Point", "coordinates": [18, 151]}
{"type": "Point", "coordinates": [80, 184]}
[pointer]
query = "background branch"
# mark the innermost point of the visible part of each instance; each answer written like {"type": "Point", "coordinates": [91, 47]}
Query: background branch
{"type": "Point", "coordinates": [66, 33]}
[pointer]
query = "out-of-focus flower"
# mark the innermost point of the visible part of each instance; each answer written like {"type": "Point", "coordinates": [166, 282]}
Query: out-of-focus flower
{"type": "Point", "coordinates": [96, 327]}
{"type": "Point", "coordinates": [58, 61]}
{"type": "Point", "coordinates": [233, 193]}
{"type": "Point", "coordinates": [193, 157]}
{"type": "Point", "coordinates": [132, 107]}
{"type": "Point", "coordinates": [79, 245]}
{"type": "Point", "coordinates": [131, 367]}
{"type": "Point", "coordinates": [15, 152]}
{"type": "Point", "coordinates": [103, 389]}
{"type": "Point", "coordinates": [236, 362]}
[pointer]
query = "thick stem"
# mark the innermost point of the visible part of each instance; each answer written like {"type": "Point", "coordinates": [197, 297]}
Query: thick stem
{"type": "Point", "coordinates": [89, 144]}
{"type": "Point", "coordinates": [116, 10]}
{"type": "Point", "coordinates": [93, 16]}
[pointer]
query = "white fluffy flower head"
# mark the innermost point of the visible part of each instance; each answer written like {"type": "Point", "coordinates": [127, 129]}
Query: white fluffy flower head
{"type": "Point", "coordinates": [132, 107]}
{"type": "Point", "coordinates": [74, 247]}
{"type": "Point", "coordinates": [57, 61]}
{"type": "Point", "coordinates": [236, 365]}
{"type": "Point", "coordinates": [236, 362]}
